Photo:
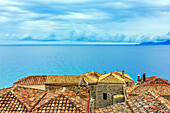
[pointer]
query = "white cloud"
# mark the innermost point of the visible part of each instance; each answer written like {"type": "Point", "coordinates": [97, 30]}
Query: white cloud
{"type": "Point", "coordinates": [65, 1]}
{"type": "Point", "coordinates": [83, 15]}
{"type": "Point", "coordinates": [3, 19]}
{"type": "Point", "coordinates": [13, 9]}
{"type": "Point", "coordinates": [157, 2]}
{"type": "Point", "coordinates": [11, 2]}
{"type": "Point", "coordinates": [130, 20]}
{"type": "Point", "coordinates": [119, 5]}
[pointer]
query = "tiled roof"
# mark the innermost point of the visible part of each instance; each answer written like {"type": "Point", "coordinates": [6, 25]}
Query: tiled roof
{"type": "Point", "coordinates": [127, 77]}
{"type": "Point", "coordinates": [158, 89]}
{"type": "Point", "coordinates": [156, 80]}
{"type": "Point", "coordinates": [93, 74]}
{"type": "Point", "coordinates": [59, 104]}
{"type": "Point", "coordinates": [64, 79]}
{"type": "Point", "coordinates": [9, 103]}
{"type": "Point", "coordinates": [130, 88]}
{"type": "Point", "coordinates": [32, 80]}
{"type": "Point", "coordinates": [144, 103]}
{"type": "Point", "coordinates": [155, 84]}
{"type": "Point", "coordinates": [151, 78]}
{"type": "Point", "coordinates": [90, 77]}
{"type": "Point", "coordinates": [21, 99]}
{"type": "Point", "coordinates": [28, 96]}
{"type": "Point", "coordinates": [4, 90]}
{"type": "Point", "coordinates": [111, 78]}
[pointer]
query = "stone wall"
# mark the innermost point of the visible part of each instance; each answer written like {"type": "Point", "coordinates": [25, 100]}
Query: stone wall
{"type": "Point", "coordinates": [110, 90]}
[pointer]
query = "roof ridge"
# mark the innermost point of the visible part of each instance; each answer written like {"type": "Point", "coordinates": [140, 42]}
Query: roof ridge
{"type": "Point", "coordinates": [16, 98]}
{"type": "Point", "coordinates": [129, 106]}
{"type": "Point", "coordinates": [106, 75]}
{"type": "Point", "coordinates": [27, 106]}
{"type": "Point", "coordinates": [128, 78]}
{"type": "Point", "coordinates": [56, 98]}
{"type": "Point", "coordinates": [91, 78]}
{"type": "Point", "coordinates": [135, 88]}
{"type": "Point", "coordinates": [165, 80]}
{"type": "Point", "coordinates": [45, 102]}
{"type": "Point", "coordinates": [149, 82]}
{"type": "Point", "coordinates": [39, 100]}
{"type": "Point", "coordinates": [123, 80]}
{"type": "Point", "coordinates": [111, 74]}
{"type": "Point", "coordinates": [152, 80]}
{"type": "Point", "coordinates": [27, 88]}
{"type": "Point", "coordinates": [124, 74]}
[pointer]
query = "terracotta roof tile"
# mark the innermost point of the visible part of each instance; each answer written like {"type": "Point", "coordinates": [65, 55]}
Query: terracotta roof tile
{"type": "Point", "coordinates": [28, 96]}
{"type": "Point", "coordinates": [60, 103]}
{"type": "Point", "coordinates": [32, 80]}
{"type": "Point", "coordinates": [157, 80]}
{"type": "Point", "coordinates": [117, 108]}
{"type": "Point", "coordinates": [158, 89]}
{"type": "Point", "coordinates": [4, 90]}
{"type": "Point", "coordinates": [93, 74]}
{"type": "Point", "coordinates": [90, 77]}
{"type": "Point", "coordinates": [111, 78]}
{"type": "Point", "coordinates": [147, 103]}
{"type": "Point", "coordinates": [22, 99]}
{"type": "Point", "coordinates": [154, 84]}
{"type": "Point", "coordinates": [67, 79]}
{"type": "Point", "coordinates": [129, 89]}
{"type": "Point", "coordinates": [10, 103]}
{"type": "Point", "coordinates": [151, 78]}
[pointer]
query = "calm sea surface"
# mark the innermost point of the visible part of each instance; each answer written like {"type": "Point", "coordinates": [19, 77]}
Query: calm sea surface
{"type": "Point", "coordinates": [21, 61]}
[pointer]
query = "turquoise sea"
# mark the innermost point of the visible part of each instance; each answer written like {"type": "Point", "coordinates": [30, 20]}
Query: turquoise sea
{"type": "Point", "coordinates": [21, 61]}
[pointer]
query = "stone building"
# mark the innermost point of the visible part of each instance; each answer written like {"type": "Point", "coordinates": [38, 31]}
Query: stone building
{"type": "Point", "coordinates": [147, 102]}
{"type": "Point", "coordinates": [103, 89]}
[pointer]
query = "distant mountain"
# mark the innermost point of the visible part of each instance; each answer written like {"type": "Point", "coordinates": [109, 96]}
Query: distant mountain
{"type": "Point", "coordinates": [156, 43]}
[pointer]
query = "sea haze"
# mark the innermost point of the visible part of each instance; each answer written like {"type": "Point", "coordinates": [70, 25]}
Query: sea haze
{"type": "Point", "coordinates": [20, 61]}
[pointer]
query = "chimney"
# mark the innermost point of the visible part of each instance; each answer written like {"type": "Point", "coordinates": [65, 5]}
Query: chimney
{"type": "Point", "coordinates": [144, 77]}
{"type": "Point", "coordinates": [123, 74]}
{"type": "Point", "coordinates": [138, 79]}
{"type": "Point", "coordinates": [105, 71]}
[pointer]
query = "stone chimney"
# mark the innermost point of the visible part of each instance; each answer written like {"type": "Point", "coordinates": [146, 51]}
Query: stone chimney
{"type": "Point", "coordinates": [138, 79]}
{"type": "Point", "coordinates": [144, 77]}
{"type": "Point", "coordinates": [123, 74]}
{"type": "Point", "coordinates": [105, 71]}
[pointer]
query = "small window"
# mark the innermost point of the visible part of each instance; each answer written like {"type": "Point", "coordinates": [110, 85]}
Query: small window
{"type": "Point", "coordinates": [104, 96]}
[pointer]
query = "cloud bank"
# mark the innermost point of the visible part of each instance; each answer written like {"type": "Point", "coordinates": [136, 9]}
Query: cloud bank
{"type": "Point", "coordinates": [85, 20]}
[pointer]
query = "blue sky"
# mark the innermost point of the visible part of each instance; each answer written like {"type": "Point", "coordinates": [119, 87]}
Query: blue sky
{"type": "Point", "coordinates": [60, 21]}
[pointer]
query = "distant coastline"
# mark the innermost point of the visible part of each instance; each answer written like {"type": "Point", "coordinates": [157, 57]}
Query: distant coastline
{"type": "Point", "coordinates": [167, 42]}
